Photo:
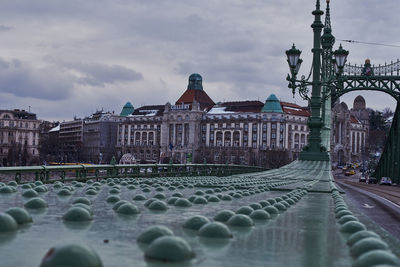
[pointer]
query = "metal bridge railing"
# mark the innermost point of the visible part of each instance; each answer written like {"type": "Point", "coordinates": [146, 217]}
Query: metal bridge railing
{"type": "Point", "coordinates": [49, 174]}
{"type": "Point", "coordinates": [379, 70]}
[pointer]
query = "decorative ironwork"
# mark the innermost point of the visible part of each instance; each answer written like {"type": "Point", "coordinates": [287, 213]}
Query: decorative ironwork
{"type": "Point", "coordinates": [386, 84]}
{"type": "Point", "coordinates": [380, 70]}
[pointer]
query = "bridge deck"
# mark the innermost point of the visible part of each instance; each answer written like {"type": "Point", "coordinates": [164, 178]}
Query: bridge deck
{"type": "Point", "coordinates": [306, 234]}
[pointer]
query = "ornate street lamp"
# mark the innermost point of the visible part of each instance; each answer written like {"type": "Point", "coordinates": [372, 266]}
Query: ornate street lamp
{"type": "Point", "coordinates": [314, 150]}
{"type": "Point", "coordinates": [340, 58]}
{"type": "Point", "coordinates": [293, 58]}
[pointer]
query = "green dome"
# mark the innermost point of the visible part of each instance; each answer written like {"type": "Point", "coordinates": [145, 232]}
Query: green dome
{"type": "Point", "coordinates": [272, 104]}
{"type": "Point", "coordinates": [195, 82]}
{"type": "Point", "coordinates": [128, 109]}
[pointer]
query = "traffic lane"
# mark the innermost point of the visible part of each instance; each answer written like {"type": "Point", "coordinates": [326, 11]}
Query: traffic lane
{"type": "Point", "coordinates": [382, 212]}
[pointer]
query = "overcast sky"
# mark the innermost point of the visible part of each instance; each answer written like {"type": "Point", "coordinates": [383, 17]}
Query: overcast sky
{"type": "Point", "coordinates": [66, 58]}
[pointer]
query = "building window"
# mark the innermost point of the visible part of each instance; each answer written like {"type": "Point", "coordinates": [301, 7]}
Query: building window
{"type": "Point", "coordinates": [273, 126]}
{"type": "Point", "coordinates": [264, 127]}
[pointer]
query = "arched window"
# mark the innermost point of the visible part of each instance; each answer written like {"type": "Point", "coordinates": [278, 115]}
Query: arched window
{"type": "Point", "coordinates": [236, 138]}
{"type": "Point", "coordinates": [151, 138]}
{"type": "Point", "coordinates": [227, 141]}
{"type": "Point", "coordinates": [219, 138]}
{"type": "Point", "coordinates": [144, 138]}
{"type": "Point", "coordinates": [137, 138]}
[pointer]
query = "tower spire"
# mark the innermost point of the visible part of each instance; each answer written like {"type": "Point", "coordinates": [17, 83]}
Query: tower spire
{"type": "Point", "coordinates": [327, 38]}
{"type": "Point", "coordinates": [327, 26]}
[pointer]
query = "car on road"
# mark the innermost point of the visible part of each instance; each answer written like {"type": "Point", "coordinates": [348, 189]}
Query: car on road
{"type": "Point", "coordinates": [362, 179]}
{"type": "Point", "coordinates": [385, 181]}
{"type": "Point", "coordinates": [350, 172]}
{"type": "Point", "coordinates": [372, 180]}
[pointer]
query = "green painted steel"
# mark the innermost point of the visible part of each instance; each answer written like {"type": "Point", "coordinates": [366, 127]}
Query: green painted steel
{"type": "Point", "coordinates": [308, 229]}
{"type": "Point", "coordinates": [314, 150]}
{"type": "Point", "coordinates": [389, 163]}
{"type": "Point", "coordinates": [335, 79]}
{"type": "Point", "coordinates": [327, 41]}
{"type": "Point", "coordinates": [50, 174]}
{"type": "Point", "coordinates": [387, 84]}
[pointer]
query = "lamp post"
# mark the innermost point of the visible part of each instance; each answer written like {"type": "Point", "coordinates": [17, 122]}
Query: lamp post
{"type": "Point", "coordinates": [314, 150]}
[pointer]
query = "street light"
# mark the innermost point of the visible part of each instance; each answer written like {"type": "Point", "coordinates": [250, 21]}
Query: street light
{"type": "Point", "coordinates": [340, 57]}
{"type": "Point", "coordinates": [293, 56]}
{"type": "Point", "coordinates": [314, 150]}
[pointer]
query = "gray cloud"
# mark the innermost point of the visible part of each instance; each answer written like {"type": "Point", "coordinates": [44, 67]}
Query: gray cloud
{"type": "Point", "coordinates": [96, 74]}
{"type": "Point", "coordinates": [237, 46]}
{"type": "Point", "coordinates": [4, 28]}
{"type": "Point", "coordinates": [23, 80]}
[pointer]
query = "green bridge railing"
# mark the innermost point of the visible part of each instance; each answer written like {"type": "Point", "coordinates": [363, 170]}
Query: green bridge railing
{"type": "Point", "coordinates": [50, 174]}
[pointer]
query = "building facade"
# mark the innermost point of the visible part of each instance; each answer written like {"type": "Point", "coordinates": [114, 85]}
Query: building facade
{"type": "Point", "coordinates": [89, 140]}
{"type": "Point", "coordinates": [197, 130]}
{"type": "Point", "coordinates": [349, 132]}
{"type": "Point", "coordinates": [19, 138]}
{"type": "Point", "coordinates": [99, 137]}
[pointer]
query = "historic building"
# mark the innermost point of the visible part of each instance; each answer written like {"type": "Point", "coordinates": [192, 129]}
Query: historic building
{"type": "Point", "coordinates": [196, 129]}
{"type": "Point", "coordinates": [19, 137]}
{"type": "Point", "coordinates": [90, 140]}
{"type": "Point", "coordinates": [99, 137]}
{"type": "Point", "coordinates": [349, 132]}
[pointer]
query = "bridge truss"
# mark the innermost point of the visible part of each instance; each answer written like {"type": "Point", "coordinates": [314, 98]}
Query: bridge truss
{"type": "Point", "coordinates": [382, 78]}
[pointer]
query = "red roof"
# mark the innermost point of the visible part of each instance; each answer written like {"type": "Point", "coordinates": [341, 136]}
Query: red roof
{"type": "Point", "coordinates": [191, 95]}
{"type": "Point", "coordinates": [296, 112]}
{"type": "Point", "coordinates": [354, 120]}
{"type": "Point", "coordinates": [294, 109]}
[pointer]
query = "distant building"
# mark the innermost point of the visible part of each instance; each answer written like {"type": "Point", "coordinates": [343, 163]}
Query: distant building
{"type": "Point", "coordinates": [99, 137]}
{"type": "Point", "coordinates": [196, 129]}
{"type": "Point", "coordinates": [71, 140]}
{"type": "Point", "coordinates": [19, 138]}
{"type": "Point", "coordinates": [89, 140]}
{"type": "Point", "coordinates": [349, 132]}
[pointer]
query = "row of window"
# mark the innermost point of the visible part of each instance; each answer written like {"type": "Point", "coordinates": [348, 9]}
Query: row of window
{"type": "Point", "coordinates": [237, 126]}
{"type": "Point", "coordinates": [140, 126]}
{"type": "Point", "coordinates": [16, 124]}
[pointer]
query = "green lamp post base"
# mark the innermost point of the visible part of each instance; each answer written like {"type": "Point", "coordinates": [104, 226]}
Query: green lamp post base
{"type": "Point", "coordinates": [314, 156]}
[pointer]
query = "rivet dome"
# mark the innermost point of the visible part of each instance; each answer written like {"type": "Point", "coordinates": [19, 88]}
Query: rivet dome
{"type": "Point", "coordinates": [195, 82]}
{"type": "Point", "coordinates": [272, 104]}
